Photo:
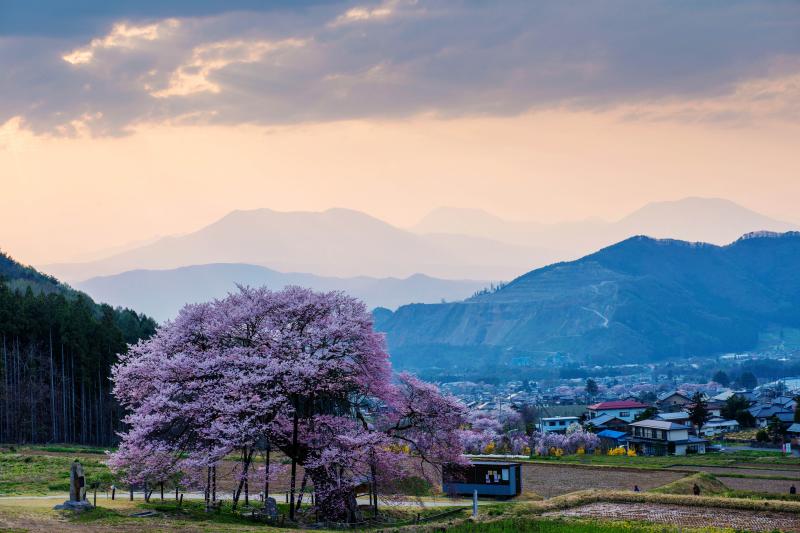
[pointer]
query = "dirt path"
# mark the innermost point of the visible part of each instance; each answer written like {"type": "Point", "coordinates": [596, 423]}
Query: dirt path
{"type": "Point", "coordinates": [686, 516]}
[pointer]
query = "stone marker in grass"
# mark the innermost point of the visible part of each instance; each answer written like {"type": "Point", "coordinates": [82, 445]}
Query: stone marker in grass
{"type": "Point", "coordinates": [77, 490]}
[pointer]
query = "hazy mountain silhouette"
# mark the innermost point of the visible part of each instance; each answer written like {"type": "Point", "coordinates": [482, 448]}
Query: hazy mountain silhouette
{"type": "Point", "coordinates": [336, 242]}
{"type": "Point", "coordinates": [161, 293]}
{"type": "Point", "coordinates": [711, 220]}
{"type": "Point", "coordinates": [449, 243]}
{"type": "Point", "coordinates": [639, 299]}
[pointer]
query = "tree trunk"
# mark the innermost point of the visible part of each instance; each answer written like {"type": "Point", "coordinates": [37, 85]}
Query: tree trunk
{"type": "Point", "coordinates": [374, 490]}
{"type": "Point", "coordinates": [64, 423]}
{"type": "Point", "coordinates": [54, 433]}
{"type": "Point", "coordinates": [208, 485]}
{"type": "Point", "coordinates": [334, 503]}
{"type": "Point", "coordinates": [302, 490]}
{"type": "Point", "coordinates": [294, 463]}
{"type": "Point", "coordinates": [247, 455]}
{"type": "Point", "coordinates": [214, 483]}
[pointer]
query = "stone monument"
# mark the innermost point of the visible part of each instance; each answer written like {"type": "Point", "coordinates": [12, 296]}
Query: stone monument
{"type": "Point", "coordinates": [77, 490]}
{"type": "Point", "coordinates": [271, 509]}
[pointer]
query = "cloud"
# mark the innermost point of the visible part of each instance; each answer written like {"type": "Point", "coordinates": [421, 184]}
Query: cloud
{"type": "Point", "coordinates": [195, 76]}
{"type": "Point", "coordinates": [365, 13]}
{"type": "Point", "coordinates": [722, 61]}
{"type": "Point", "coordinates": [121, 36]}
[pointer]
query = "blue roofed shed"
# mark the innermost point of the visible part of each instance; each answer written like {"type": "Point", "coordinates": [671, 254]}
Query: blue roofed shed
{"type": "Point", "coordinates": [610, 438]}
{"type": "Point", "coordinates": [489, 478]}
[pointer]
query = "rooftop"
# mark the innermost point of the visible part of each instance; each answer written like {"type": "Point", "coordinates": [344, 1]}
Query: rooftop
{"type": "Point", "coordinates": [679, 415]}
{"type": "Point", "coordinates": [658, 424]}
{"type": "Point", "coordinates": [611, 434]}
{"type": "Point", "coordinates": [493, 463]}
{"type": "Point", "coordinates": [618, 404]}
{"type": "Point", "coordinates": [666, 395]}
{"type": "Point", "coordinates": [604, 419]}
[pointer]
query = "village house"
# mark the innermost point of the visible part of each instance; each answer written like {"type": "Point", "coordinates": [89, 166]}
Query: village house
{"type": "Point", "coordinates": [604, 421]}
{"type": "Point", "coordinates": [679, 417]}
{"type": "Point", "coordinates": [765, 413]}
{"type": "Point", "coordinates": [673, 401]}
{"type": "Point", "coordinates": [626, 410]}
{"type": "Point", "coordinates": [660, 437]}
{"type": "Point", "coordinates": [557, 424]}
{"type": "Point", "coordinates": [610, 438]}
{"type": "Point", "coordinates": [793, 433]}
{"type": "Point", "coordinates": [718, 426]}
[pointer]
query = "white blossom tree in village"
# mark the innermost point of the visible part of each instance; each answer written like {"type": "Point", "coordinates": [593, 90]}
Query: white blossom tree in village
{"type": "Point", "coordinates": [294, 370]}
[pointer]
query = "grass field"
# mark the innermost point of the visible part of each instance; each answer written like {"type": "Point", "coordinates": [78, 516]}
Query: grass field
{"type": "Point", "coordinates": [30, 473]}
{"type": "Point", "coordinates": [741, 457]}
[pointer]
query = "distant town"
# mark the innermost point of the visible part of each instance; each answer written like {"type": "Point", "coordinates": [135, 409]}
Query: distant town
{"type": "Point", "coordinates": [648, 407]}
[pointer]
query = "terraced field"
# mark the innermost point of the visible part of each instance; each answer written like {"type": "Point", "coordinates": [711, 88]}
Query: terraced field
{"type": "Point", "coordinates": [772, 486]}
{"type": "Point", "coordinates": [779, 472]}
{"type": "Point", "coordinates": [675, 515]}
{"type": "Point", "coordinates": [554, 480]}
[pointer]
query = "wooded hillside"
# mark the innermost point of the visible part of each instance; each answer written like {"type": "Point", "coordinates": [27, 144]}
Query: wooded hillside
{"type": "Point", "coordinates": [56, 350]}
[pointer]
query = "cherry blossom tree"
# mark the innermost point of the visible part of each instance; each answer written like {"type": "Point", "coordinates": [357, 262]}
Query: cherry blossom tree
{"type": "Point", "coordinates": [299, 370]}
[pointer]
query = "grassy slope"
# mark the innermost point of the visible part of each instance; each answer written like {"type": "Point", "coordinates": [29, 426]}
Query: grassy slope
{"type": "Point", "coordinates": [35, 474]}
{"type": "Point", "coordinates": [709, 485]}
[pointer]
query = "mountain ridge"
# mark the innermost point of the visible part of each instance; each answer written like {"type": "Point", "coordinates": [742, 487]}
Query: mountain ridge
{"type": "Point", "coordinates": [336, 242]}
{"type": "Point", "coordinates": [713, 220]}
{"type": "Point", "coordinates": [641, 298]}
{"type": "Point", "coordinates": [161, 293]}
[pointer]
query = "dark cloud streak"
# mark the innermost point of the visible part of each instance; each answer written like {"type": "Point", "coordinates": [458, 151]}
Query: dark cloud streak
{"type": "Point", "coordinates": [451, 58]}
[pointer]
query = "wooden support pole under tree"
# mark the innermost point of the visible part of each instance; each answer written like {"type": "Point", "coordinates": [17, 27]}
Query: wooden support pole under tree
{"type": "Point", "coordinates": [214, 483]}
{"type": "Point", "coordinates": [266, 476]}
{"type": "Point", "coordinates": [208, 484]}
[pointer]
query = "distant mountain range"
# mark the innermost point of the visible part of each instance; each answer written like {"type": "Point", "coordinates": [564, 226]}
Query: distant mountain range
{"type": "Point", "coordinates": [336, 242]}
{"type": "Point", "coordinates": [448, 243]}
{"type": "Point", "coordinates": [640, 299]}
{"type": "Point", "coordinates": [711, 220]}
{"type": "Point", "coordinates": [161, 293]}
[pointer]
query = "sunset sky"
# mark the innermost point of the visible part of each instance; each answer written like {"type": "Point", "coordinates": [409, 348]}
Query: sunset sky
{"type": "Point", "coordinates": [118, 124]}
